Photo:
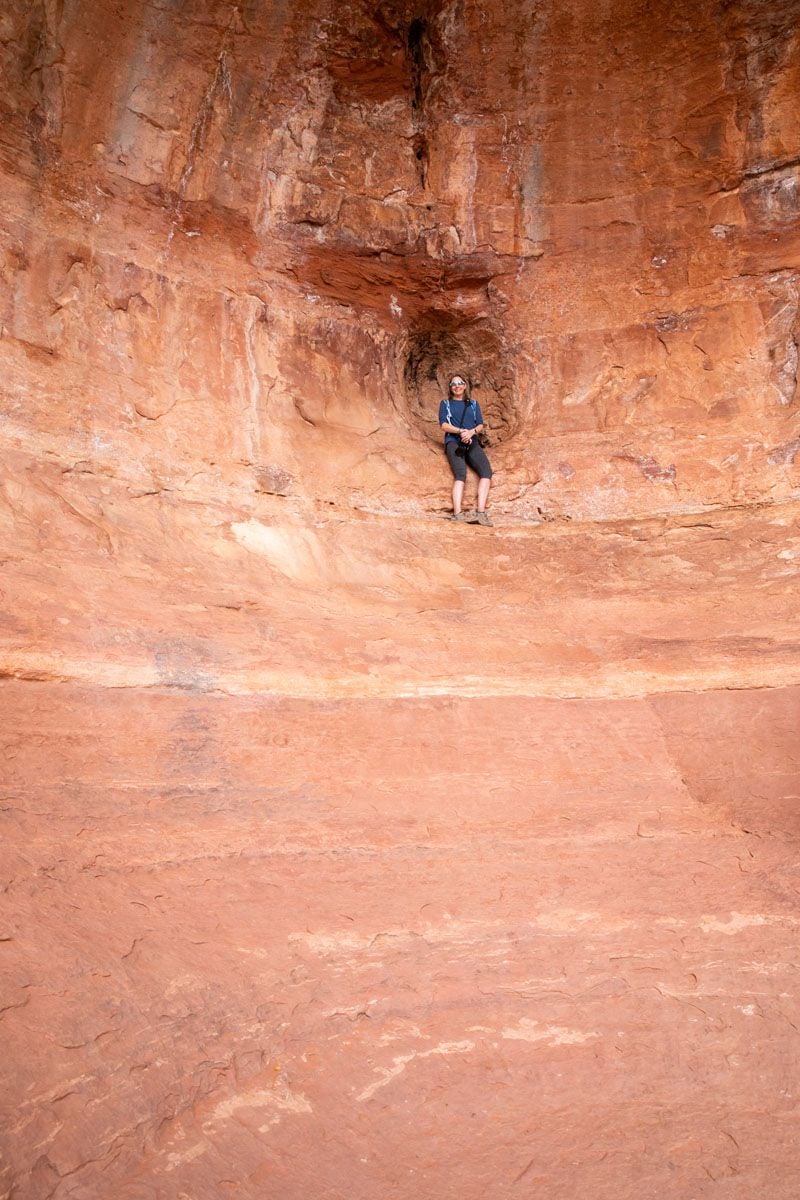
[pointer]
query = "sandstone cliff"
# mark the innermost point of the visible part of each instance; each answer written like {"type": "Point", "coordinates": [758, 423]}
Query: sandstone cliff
{"type": "Point", "coordinates": [244, 244]}
{"type": "Point", "coordinates": [347, 853]}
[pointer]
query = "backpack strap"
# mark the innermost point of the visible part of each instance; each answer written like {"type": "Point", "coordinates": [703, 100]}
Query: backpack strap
{"type": "Point", "coordinates": [467, 403]}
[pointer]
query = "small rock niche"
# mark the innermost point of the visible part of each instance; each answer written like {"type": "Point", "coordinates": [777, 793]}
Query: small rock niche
{"type": "Point", "coordinates": [435, 352]}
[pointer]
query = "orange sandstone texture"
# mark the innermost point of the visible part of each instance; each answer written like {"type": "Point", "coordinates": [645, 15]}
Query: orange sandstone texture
{"type": "Point", "coordinates": [244, 245]}
{"type": "Point", "coordinates": [339, 955]}
{"type": "Point", "coordinates": [347, 854]}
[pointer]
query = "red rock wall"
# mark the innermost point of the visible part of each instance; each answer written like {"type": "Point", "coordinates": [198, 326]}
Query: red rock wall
{"type": "Point", "coordinates": [243, 246]}
{"type": "Point", "coordinates": [346, 853]}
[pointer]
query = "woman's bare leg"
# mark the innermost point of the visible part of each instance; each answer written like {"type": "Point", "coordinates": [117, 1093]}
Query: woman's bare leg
{"type": "Point", "coordinates": [483, 493]}
{"type": "Point", "coordinates": [458, 494]}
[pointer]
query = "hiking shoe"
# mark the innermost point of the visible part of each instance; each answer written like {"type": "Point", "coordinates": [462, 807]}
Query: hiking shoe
{"type": "Point", "coordinates": [471, 517]}
{"type": "Point", "coordinates": [483, 518]}
{"type": "Point", "coordinates": [459, 517]}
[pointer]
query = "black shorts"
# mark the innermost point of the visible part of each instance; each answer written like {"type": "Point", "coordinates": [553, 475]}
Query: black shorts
{"type": "Point", "coordinates": [461, 457]}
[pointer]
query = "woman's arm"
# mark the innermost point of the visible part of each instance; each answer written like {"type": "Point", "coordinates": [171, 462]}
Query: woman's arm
{"type": "Point", "coordinates": [466, 435]}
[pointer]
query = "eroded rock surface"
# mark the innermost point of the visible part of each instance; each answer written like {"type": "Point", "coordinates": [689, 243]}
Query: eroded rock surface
{"type": "Point", "coordinates": [347, 853]}
{"type": "Point", "coordinates": [256, 238]}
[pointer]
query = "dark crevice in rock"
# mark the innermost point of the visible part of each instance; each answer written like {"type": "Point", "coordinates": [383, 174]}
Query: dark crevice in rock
{"type": "Point", "coordinates": [426, 62]}
{"type": "Point", "coordinates": [417, 43]}
{"type": "Point", "coordinates": [421, 155]}
{"type": "Point", "coordinates": [417, 36]}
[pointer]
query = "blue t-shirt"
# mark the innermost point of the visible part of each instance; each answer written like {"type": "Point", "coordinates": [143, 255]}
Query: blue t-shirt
{"type": "Point", "coordinates": [464, 413]}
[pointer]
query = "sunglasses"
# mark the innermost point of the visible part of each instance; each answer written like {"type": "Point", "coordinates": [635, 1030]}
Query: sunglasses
{"type": "Point", "coordinates": [457, 382]}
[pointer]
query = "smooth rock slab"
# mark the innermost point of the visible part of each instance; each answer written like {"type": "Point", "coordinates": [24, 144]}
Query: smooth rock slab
{"type": "Point", "coordinates": [435, 966]}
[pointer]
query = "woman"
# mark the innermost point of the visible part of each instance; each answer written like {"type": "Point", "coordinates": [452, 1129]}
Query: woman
{"type": "Point", "coordinates": [461, 419]}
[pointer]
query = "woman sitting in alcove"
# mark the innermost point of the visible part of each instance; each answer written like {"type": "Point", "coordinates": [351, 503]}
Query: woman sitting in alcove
{"type": "Point", "coordinates": [462, 421]}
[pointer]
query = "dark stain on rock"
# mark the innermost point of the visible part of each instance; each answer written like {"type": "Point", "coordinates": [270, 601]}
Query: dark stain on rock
{"type": "Point", "coordinates": [651, 469]}
{"type": "Point", "coordinates": [784, 456]}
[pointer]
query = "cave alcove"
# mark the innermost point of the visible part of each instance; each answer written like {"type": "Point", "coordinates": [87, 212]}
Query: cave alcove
{"type": "Point", "coordinates": [436, 349]}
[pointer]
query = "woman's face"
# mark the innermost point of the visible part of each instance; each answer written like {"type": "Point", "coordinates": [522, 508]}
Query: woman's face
{"type": "Point", "coordinates": [457, 387]}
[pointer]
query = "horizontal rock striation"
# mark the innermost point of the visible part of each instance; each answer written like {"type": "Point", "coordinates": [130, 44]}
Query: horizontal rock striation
{"type": "Point", "coordinates": [347, 853]}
